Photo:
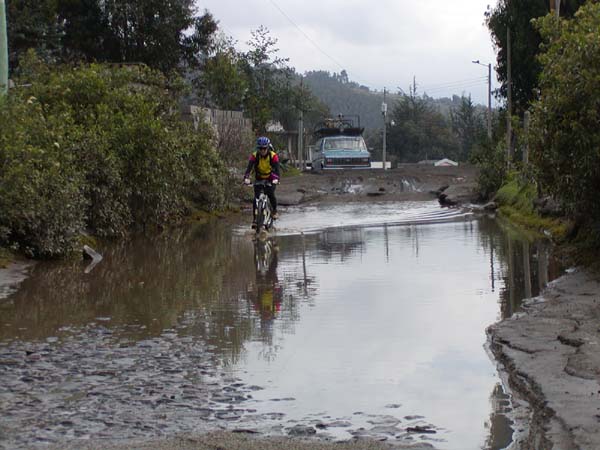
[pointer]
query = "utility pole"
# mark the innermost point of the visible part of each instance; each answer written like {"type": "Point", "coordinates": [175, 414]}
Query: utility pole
{"type": "Point", "coordinates": [526, 119]}
{"type": "Point", "coordinates": [509, 98]}
{"type": "Point", "coordinates": [3, 50]}
{"type": "Point", "coordinates": [384, 113]}
{"type": "Point", "coordinates": [489, 114]}
{"type": "Point", "coordinates": [301, 164]}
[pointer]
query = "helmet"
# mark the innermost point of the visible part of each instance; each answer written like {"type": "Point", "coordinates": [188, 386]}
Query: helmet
{"type": "Point", "coordinates": [263, 142]}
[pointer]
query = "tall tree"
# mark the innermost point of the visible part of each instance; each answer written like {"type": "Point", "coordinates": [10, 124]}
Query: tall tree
{"type": "Point", "coordinates": [467, 125]}
{"type": "Point", "coordinates": [222, 83]}
{"type": "Point", "coordinates": [160, 34]}
{"type": "Point", "coordinates": [32, 24]}
{"type": "Point", "coordinates": [565, 137]}
{"type": "Point", "coordinates": [420, 131]}
{"type": "Point", "coordinates": [267, 74]}
{"type": "Point", "coordinates": [84, 29]}
{"type": "Point", "coordinates": [154, 32]}
{"type": "Point", "coordinates": [525, 42]}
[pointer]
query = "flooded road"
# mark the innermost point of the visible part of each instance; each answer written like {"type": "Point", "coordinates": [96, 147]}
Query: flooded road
{"type": "Point", "coordinates": [374, 327]}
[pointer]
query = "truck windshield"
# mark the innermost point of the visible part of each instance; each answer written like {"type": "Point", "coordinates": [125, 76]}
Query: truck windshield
{"type": "Point", "coordinates": [345, 143]}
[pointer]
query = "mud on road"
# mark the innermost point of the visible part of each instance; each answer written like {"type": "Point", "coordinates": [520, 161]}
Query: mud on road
{"type": "Point", "coordinates": [407, 182]}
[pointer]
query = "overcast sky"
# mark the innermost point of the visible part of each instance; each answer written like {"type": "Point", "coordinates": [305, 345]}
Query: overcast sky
{"type": "Point", "coordinates": [382, 43]}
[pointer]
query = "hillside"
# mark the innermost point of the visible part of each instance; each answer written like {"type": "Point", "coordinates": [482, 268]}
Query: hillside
{"type": "Point", "coordinates": [343, 96]}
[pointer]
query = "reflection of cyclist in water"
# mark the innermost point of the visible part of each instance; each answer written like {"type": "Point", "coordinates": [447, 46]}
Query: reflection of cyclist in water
{"type": "Point", "coordinates": [268, 292]}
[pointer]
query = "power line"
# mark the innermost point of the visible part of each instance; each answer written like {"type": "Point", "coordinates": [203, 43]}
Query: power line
{"type": "Point", "coordinates": [430, 88]}
{"type": "Point", "coordinates": [457, 87]}
{"type": "Point", "coordinates": [453, 83]}
{"type": "Point", "coordinates": [305, 35]}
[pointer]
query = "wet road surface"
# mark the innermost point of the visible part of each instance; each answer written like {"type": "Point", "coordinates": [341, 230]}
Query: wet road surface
{"type": "Point", "coordinates": [347, 322]}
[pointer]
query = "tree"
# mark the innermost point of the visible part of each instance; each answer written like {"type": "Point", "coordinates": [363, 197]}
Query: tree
{"type": "Point", "coordinates": [222, 79]}
{"type": "Point", "coordinates": [420, 131]}
{"type": "Point", "coordinates": [162, 35]}
{"type": "Point", "coordinates": [565, 138]}
{"type": "Point", "coordinates": [267, 75]}
{"type": "Point", "coordinates": [153, 32]}
{"type": "Point", "coordinates": [525, 42]}
{"type": "Point", "coordinates": [467, 125]}
{"type": "Point", "coordinates": [32, 24]}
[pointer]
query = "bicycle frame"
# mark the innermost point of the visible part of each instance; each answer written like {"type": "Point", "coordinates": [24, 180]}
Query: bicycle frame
{"type": "Point", "coordinates": [264, 212]}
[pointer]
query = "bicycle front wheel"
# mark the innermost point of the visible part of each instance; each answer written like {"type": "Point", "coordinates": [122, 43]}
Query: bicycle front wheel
{"type": "Point", "coordinates": [260, 216]}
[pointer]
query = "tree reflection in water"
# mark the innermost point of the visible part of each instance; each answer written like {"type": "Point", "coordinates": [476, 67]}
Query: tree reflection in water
{"type": "Point", "coordinates": [230, 292]}
{"type": "Point", "coordinates": [500, 425]}
{"type": "Point", "coordinates": [521, 263]}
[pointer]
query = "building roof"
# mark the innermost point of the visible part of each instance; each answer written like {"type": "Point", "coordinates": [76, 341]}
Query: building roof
{"type": "Point", "coordinates": [445, 162]}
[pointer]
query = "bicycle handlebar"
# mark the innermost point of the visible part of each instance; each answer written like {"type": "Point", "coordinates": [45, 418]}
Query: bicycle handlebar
{"type": "Point", "coordinates": [261, 183]}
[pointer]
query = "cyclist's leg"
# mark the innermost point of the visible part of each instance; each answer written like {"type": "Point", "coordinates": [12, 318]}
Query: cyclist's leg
{"type": "Point", "coordinates": [271, 194]}
{"type": "Point", "coordinates": [257, 191]}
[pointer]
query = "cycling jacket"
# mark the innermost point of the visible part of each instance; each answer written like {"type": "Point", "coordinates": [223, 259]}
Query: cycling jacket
{"type": "Point", "coordinates": [265, 168]}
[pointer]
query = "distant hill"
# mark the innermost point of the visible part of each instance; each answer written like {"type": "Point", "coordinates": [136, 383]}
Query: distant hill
{"type": "Point", "coordinates": [347, 97]}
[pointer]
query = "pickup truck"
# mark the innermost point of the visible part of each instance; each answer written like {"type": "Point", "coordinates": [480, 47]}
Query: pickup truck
{"type": "Point", "coordinates": [339, 145]}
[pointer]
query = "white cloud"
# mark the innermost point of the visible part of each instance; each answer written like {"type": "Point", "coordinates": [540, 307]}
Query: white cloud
{"type": "Point", "coordinates": [380, 45]}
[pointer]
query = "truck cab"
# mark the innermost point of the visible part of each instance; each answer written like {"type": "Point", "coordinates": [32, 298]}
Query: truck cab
{"type": "Point", "coordinates": [340, 145]}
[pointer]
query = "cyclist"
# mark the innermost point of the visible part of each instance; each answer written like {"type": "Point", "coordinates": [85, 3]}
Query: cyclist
{"type": "Point", "coordinates": [265, 164]}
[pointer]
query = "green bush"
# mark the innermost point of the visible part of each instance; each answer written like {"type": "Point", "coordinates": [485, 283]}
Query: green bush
{"type": "Point", "coordinates": [491, 161]}
{"type": "Point", "coordinates": [41, 201]}
{"type": "Point", "coordinates": [517, 193]}
{"type": "Point", "coordinates": [565, 136]}
{"type": "Point", "coordinates": [98, 148]}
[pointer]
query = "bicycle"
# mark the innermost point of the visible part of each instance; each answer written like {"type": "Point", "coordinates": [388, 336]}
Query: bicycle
{"type": "Point", "coordinates": [264, 210]}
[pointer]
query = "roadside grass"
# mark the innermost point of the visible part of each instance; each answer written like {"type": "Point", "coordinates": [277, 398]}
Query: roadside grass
{"type": "Point", "coordinates": [6, 258]}
{"type": "Point", "coordinates": [290, 171]}
{"type": "Point", "coordinates": [584, 247]}
{"type": "Point", "coordinates": [516, 199]}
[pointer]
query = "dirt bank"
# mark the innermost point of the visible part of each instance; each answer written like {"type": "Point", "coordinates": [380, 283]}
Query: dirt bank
{"type": "Point", "coordinates": [11, 276]}
{"type": "Point", "coordinates": [551, 358]}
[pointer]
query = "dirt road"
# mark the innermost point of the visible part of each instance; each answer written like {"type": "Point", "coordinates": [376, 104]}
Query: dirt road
{"type": "Point", "coordinates": [550, 354]}
{"type": "Point", "coordinates": [407, 182]}
{"type": "Point", "coordinates": [552, 361]}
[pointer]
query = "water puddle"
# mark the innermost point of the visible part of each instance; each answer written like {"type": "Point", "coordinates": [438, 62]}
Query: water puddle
{"type": "Point", "coordinates": [314, 219]}
{"type": "Point", "coordinates": [347, 322]}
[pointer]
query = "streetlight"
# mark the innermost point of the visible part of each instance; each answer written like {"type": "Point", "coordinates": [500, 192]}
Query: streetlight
{"type": "Point", "coordinates": [489, 114]}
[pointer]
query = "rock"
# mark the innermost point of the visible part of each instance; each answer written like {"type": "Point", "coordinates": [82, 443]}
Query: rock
{"type": "Point", "coordinates": [547, 206]}
{"type": "Point", "coordinates": [442, 189]}
{"type": "Point", "coordinates": [301, 430]}
{"type": "Point", "coordinates": [290, 199]}
{"type": "Point", "coordinates": [457, 194]}
{"type": "Point", "coordinates": [421, 429]}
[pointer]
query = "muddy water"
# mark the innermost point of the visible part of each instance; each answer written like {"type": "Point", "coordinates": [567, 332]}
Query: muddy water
{"type": "Point", "coordinates": [372, 328]}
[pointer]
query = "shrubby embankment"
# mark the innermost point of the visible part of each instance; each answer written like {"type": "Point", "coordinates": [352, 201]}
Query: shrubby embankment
{"type": "Point", "coordinates": [98, 149]}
